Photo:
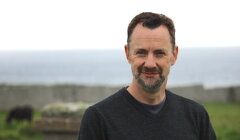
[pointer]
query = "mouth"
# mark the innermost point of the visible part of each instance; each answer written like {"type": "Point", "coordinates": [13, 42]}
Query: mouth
{"type": "Point", "coordinates": [150, 74]}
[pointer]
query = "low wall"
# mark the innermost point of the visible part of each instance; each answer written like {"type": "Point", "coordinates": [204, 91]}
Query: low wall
{"type": "Point", "coordinates": [39, 95]}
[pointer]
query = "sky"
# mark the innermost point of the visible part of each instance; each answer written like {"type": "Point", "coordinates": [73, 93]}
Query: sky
{"type": "Point", "coordinates": [102, 24]}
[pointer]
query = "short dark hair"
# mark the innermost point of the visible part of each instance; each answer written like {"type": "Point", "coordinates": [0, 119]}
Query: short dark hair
{"type": "Point", "coordinates": [151, 21]}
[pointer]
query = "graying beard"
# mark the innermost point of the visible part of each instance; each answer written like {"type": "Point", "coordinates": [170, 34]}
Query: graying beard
{"type": "Point", "coordinates": [151, 88]}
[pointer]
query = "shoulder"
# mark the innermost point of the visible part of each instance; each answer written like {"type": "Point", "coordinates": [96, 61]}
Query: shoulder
{"type": "Point", "coordinates": [108, 104]}
{"type": "Point", "coordinates": [185, 104]}
{"type": "Point", "coordinates": [190, 109]}
{"type": "Point", "coordinates": [111, 100]}
{"type": "Point", "coordinates": [195, 113]}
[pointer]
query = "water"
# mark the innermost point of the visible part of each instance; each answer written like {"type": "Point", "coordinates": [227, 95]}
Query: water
{"type": "Point", "coordinates": [208, 66]}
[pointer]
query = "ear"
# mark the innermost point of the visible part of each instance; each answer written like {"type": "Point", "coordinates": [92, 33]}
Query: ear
{"type": "Point", "coordinates": [175, 55]}
{"type": "Point", "coordinates": [127, 52]}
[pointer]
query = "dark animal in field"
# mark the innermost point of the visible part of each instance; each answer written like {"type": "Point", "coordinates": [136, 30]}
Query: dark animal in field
{"type": "Point", "coordinates": [20, 113]}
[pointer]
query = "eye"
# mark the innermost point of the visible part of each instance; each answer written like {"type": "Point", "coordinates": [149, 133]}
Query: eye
{"type": "Point", "coordinates": [141, 52]}
{"type": "Point", "coordinates": [159, 53]}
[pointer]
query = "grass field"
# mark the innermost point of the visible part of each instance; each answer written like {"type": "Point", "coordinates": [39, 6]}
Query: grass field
{"type": "Point", "coordinates": [225, 118]}
{"type": "Point", "coordinates": [18, 130]}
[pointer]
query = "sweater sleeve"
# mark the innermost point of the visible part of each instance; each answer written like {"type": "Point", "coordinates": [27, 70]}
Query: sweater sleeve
{"type": "Point", "coordinates": [92, 126]}
{"type": "Point", "coordinates": [206, 129]}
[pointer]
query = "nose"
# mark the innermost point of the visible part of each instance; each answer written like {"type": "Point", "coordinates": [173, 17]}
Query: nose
{"type": "Point", "coordinates": [150, 61]}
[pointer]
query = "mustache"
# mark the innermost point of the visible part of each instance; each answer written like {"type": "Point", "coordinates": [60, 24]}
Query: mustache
{"type": "Point", "coordinates": [143, 69]}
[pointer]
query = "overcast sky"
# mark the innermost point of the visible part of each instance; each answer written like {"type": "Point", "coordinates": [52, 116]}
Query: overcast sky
{"type": "Point", "coordinates": [102, 24]}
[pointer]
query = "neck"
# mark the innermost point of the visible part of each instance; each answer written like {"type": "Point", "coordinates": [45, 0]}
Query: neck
{"type": "Point", "coordinates": [147, 98]}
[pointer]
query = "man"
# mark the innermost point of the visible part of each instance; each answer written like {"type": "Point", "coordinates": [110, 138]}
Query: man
{"type": "Point", "coordinates": [145, 110]}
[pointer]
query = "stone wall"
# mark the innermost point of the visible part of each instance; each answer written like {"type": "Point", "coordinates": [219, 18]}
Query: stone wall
{"type": "Point", "coordinates": [39, 95]}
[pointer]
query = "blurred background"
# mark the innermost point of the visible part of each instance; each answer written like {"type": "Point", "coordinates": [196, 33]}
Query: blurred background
{"type": "Point", "coordinates": [58, 51]}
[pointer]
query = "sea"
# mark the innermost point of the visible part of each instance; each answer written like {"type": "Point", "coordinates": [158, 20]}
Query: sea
{"type": "Point", "coordinates": [207, 66]}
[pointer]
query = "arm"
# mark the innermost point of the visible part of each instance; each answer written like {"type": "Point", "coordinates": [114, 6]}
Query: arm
{"type": "Point", "coordinates": [206, 129]}
{"type": "Point", "coordinates": [92, 126]}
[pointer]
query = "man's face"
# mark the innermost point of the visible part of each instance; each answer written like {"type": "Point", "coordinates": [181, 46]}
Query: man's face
{"type": "Point", "coordinates": [151, 55]}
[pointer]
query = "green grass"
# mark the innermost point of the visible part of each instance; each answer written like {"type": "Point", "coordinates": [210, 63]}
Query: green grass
{"type": "Point", "coordinates": [225, 118]}
{"type": "Point", "coordinates": [18, 130]}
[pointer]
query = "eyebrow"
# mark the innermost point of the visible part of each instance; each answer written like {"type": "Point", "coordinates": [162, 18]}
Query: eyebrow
{"type": "Point", "coordinates": [160, 50]}
{"type": "Point", "coordinates": [142, 49]}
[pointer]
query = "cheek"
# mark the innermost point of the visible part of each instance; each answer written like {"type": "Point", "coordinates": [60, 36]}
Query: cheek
{"type": "Point", "coordinates": [135, 67]}
{"type": "Point", "coordinates": [137, 63]}
{"type": "Point", "coordinates": [165, 63]}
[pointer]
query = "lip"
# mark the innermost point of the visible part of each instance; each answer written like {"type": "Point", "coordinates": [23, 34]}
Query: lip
{"type": "Point", "coordinates": [150, 74]}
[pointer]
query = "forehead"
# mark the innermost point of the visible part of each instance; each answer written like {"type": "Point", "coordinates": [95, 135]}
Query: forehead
{"type": "Point", "coordinates": [144, 36]}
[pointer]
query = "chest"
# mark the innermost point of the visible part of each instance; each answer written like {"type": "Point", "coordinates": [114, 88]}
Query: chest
{"type": "Point", "coordinates": [174, 128]}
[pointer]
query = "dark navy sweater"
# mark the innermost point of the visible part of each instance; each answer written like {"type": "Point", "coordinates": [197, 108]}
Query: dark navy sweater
{"type": "Point", "coordinates": [121, 117]}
